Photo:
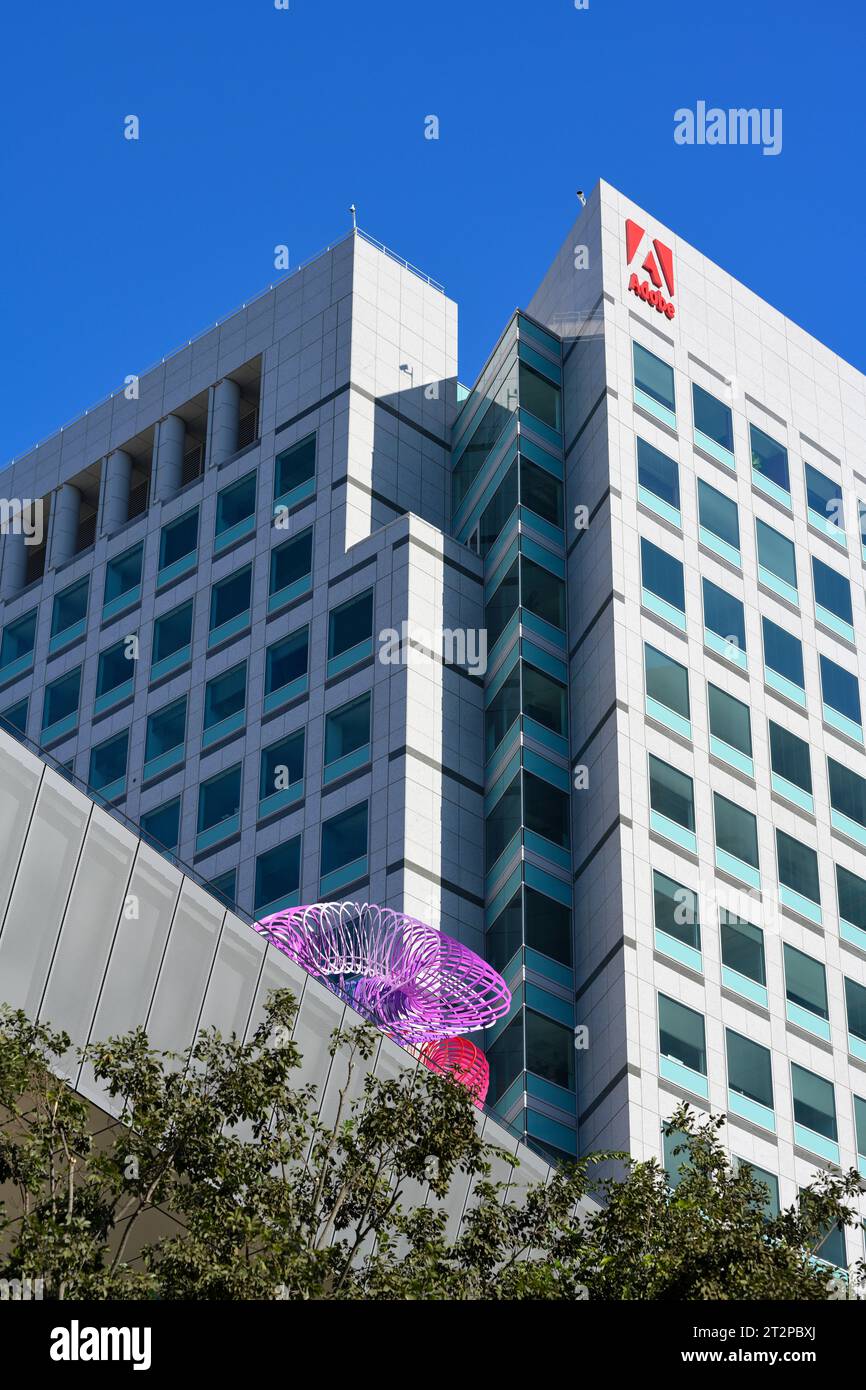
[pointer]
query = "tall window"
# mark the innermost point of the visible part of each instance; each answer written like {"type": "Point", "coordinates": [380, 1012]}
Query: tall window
{"type": "Point", "coordinates": [278, 875]}
{"type": "Point", "coordinates": [730, 723]}
{"type": "Point", "coordinates": [847, 792]}
{"type": "Point", "coordinates": [805, 983]}
{"type": "Point", "coordinates": [654, 379]}
{"type": "Point", "coordinates": [783, 655]}
{"type": "Point", "coordinates": [667, 682]}
{"type": "Point", "coordinates": [350, 628]}
{"type": "Point", "coordinates": [724, 620]}
{"type": "Point", "coordinates": [539, 397]}
{"type": "Point", "coordinates": [123, 578]}
{"type": "Point", "coordinates": [841, 690]}
{"type": "Point", "coordinates": [736, 832]}
{"type": "Point", "coordinates": [662, 576]}
{"type": "Point", "coordinates": [814, 1103]}
{"type": "Point", "coordinates": [832, 597]}
{"type": "Point", "coordinates": [743, 947]}
{"type": "Point", "coordinates": [19, 641]}
{"type": "Point", "coordinates": [108, 765]}
{"type": "Point", "coordinates": [675, 909]}
{"type": "Point", "coordinates": [790, 761]}
{"type": "Point", "coordinates": [69, 612]}
{"type": "Point", "coordinates": [236, 508]}
{"type": "Point", "coordinates": [769, 462]}
{"type": "Point", "coordinates": [671, 793]}
{"type": "Point", "coordinates": [824, 499]}
{"type": "Point", "coordinates": [681, 1035]}
{"type": "Point", "coordinates": [750, 1069]}
{"type": "Point", "coordinates": [541, 492]}
{"type": "Point", "coordinates": [230, 602]}
{"type": "Point", "coordinates": [658, 478]}
{"type": "Point", "coordinates": [713, 419]}
{"type": "Point", "coordinates": [291, 567]}
{"type": "Point", "coordinates": [776, 560]}
{"type": "Point", "coordinates": [344, 841]}
{"type": "Point", "coordinates": [498, 510]}
{"type": "Point", "coordinates": [295, 470]}
{"type": "Point", "coordinates": [719, 519]}
{"type": "Point", "coordinates": [798, 868]}
{"type": "Point", "coordinates": [542, 592]}
{"type": "Point", "coordinates": [178, 542]}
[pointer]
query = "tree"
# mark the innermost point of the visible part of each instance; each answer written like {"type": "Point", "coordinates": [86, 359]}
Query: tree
{"type": "Point", "coordinates": [255, 1196]}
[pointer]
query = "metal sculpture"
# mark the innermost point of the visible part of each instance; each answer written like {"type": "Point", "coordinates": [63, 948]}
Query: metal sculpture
{"type": "Point", "coordinates": [415, 982]}
{"type": "Point", "coordinates": [462, 1060]}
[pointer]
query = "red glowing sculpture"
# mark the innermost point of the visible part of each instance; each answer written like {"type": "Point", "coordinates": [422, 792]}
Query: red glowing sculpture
{"type": "Point", "coordinates": [461, 1059]}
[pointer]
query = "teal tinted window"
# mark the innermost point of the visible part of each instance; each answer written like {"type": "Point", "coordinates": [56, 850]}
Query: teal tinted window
{"type": "Point", "coordinates": [350, 624]}
{"type": "Point", "coordinates": [832, 590]}
{"type": "Point", "coordinates": [547, 926]}
{"type": "Point", "coordinates": [506, 1058]}
{"type": "Point", "coordinates": [291, 561]}
{"type": "Point", "coordinates": [115, 668]}
{"type": "Point", "coordinates": [717, 513]}
{"type": "Point", "coordinates": [545, 810]}
{"type": "Point", "coordinates": [502, 605]}
{"type": "Point", "coordinates": [789, 757]}
{"type": "Point", "coordinates": [730, 720]}
{"type": "Point", "coordinates": [783, 652]}
{"type": "Point", "coordinates": [166, 730]}
{"type": "Point", "coordinates": [824, 496]}
{"type": "Point", "coordinates": [855, 1003]}
{"type": "Point", "coordinates": [541, 492]}
{"type": "Point", "coordinates": [654, 377]}
{"type": "Point", "coordinates": [162, 825]}
{"type": "Point", "coordinates": [662, 574]}
{"type": "Point", "coordinates": [485, 434]}
{"type": "Point", "coordinates": [178, 539]}
{"type": "Point", "coordinates": [675, 910]}
{"type": "Point", "coordinates": [347, 729]}
{"type": "Point", "coordinates": [860, 1120]}
{"type": "Point", "coordinates": [172, 632]}
{"type": "Point", "coordinates": [14, 718]}
{"type": "Point", "coordinates": [814, 1102]}
{"type": "Point", "coordinates": [771, 1183]}
{"type": "Point", "coordinates": [108, 761]}
{"type": "Point", "coordinates": [287, 660]}
{"type": "Point", "coordinates": [742, 947]}
{"type": "Point", "coordinates": [544, 700]}
{"type": "Point", "coordinates": [681, 1034]}
{"type": "Point", "coordinates": [498, 510]}
{"type": "Point", "coordinates": [282, 765]}
{"type": "Point", "coordinates": [549, 1049]}
{"type": "Point", "coordinates": [219, 799]}
{"type": "Point", "coordinates": [123, 574]}
{"type": "Point", "coordinates": [847, 791]}
{"type": "Point", "coordinates": [225, 887]}
{"type": "Point", "coordinates": [750, 1070]}
{"type": "Point", "coordinates": [236, 503]}
{"type": "Point", "coordinates": [851, 890]}
{"type": "Point", "coordinates": [502, 823]}
{"type": "Point", "coordinates": [724, 615]}
{"type": "Point", "coordinates": [539, 397]}
{"type": "Point", "coordinates": [658, 473]}
{"type": "Point", "coordinates": [502, 711]}
{"type": "Point", "coordinates": [295, 466]}
{"type": "Point", "coordinates": [70, 607]}
{"type": "Point", "coordinates": [840, 689]}
{"type": "Point", "coordinates": [542, 593]}
{"type": "Point", "coordinates": [713, 417]}
{"type": "Point", "coordinates": [230, 597]}
{"type": "Point", "coordinates": [671, 793]}
{"type": "Point", "coordinates": [278, 873]}
{"type": "Point", "coordinates": [675, 1156]}
{"type": "Point", "coordinates": [344, 838]}
{"type": "Point", "coordinates": [505, 936]}
{"type": "Point", "coordinates": [667, 681]}
{"type": "Point", "coordinates": [769, 458]}
{"type": "Point", "coordinates": [805, 982]}
{"type": "Point", "coordinates": [225, 695]}
{"type": "Point", "coordinates": [19, 638]}
{"type": "Point", "coordinates": [776, 553]}
{"type": "Point", "coordinates": [736, 830]}
{"type": "Point", "coordinates": [61, 698]}
{"type": "Point", "coordinates": [798, 867]}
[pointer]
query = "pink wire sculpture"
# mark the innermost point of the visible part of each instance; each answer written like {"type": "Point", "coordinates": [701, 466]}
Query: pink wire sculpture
{"type": "Point", "coordinates": [414, 981]}
{"type": "Point", "coordinates": [461, 1059]}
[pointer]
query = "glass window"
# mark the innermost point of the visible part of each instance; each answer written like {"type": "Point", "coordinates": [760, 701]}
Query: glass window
{"type": "Point", "coordinates": [798, 867]}
{"type": "Point", "coordinates": [654, 377]}
{"type": "Point", "coordinates": [236, 503]}
{"type": "Point", "coordinates": [172, 632]}
{"type": "Point", "coordinates": [502, 711]}
{"type": "Point", "coordinates": [814, 1102]}
{"type": "Point", "coordinates": [347, 729]}
{"type": "Point", "coordinates": [219, 799]}
{"type": "Point", "coordinates": [225, 695]}
{"type": "Point", "coordinates": [166, 730]}
{"type": "Point", "coordinates": [19, 638]}
{"type": "Point", "coordinates": [671, 793]}
{"type": "Point", "coordinates": [851, 889]}
{"type": "Point", "coordinates": [291, 561]}
{"type": "Point", "coordinates": [544, 700]}
{"type": "Point", "coordinates": [769, 458]}
{"type": "Point", "coordinates": [230, 597]}
{"type": "Point", "coordinates": [278, 873]}
{"type": "Point", "coordinates": [344, 838]}
{"type": "Point", "coordinates": [287, 660]}
{"type": "Point", "coordinates": [658, 473]}
{"type": "Point", "coordinates": [115, 668]}
{"type": "Point", "coordinates": [123, 573]}
{"type": "Point", "coordinates": [505, 935]}
{"type": "Point", "coordinates": [783, 653]}
{"type": "Point", "coordinates": [750, 1070]}
{"type": "Point", "coordinates": [847, 791]}
{"type": "Point", "coordinates": [805, 982]}
{"type": "Point", "coordinates": [832, 591]}
{"type": "Point", "coordinates": [771, 1206]}
{"type": "Point", "coordinates": [61, 698]}
{"type": "Point", "coordinates": [282, 764]}
{"type": "Point", "coordinates": [485, 434]}
{"type": "Point", "coordinates": [675, 1156]}
{"type": "Point", "coordinates": [662, 574]}
{"type": "Point", "coordinates": [860, 1122]}
{"type": "Point", "coordinates": [675, 910]}
{"type": "Point", "coordinates": [295, 466]}
{"type": "Point", "coordinates": [840, 689]}
{"type": "Point", "coordinates": [776, 553]}
{"type": "Point", "coordinates": [162, 825]}
{"type": "Point", "coordinates": [178, 539]}
{"type": "Point", "coordinates": [502, 605]}
{"type": "Point", "coordinates": [108, 761]}
{"type": "Point", "coordinates": [824, 496]}
{"type": "Point", "coordinates": [70, 607]}
{"type": "Point", "coordinates": [502, 823]}
{"type": "Point", "coordinates": [666, 681]}
{"type": "Point", "coordinates": [789, 757]}
{"type": "Point", "coordinates": [539, 397]}
{"type": "Point", "coordinates": [855, 1003]}
{"type": "Point", "coordinates": [542, 593]}
{"type": "Point", "coordinates": [832, 1248]}
{"type": "Point", "coordinates": [730, 720]}
{"type": "Point", "coordinates": [742, 947]}
{"type": "Point", "coordinates": [548, 927]}
{"type": "Point", "coordinates": [500, 507]}
{"type": "Point", "coordinates": [541, 492]}
{"type": "Point", "coordinates": [14, 717]}
{"type": "Point", "coordinates": [681, 1035]}
{"type": "Point", "coordinates": [549, 1049]}
{"type": "Point", "coordinates": [225, 887]}
{"type": "Point", "coordinates": [736, 830]}
{"type": "Point", "coordinates": [545, 810]}
{"type": "Point", "coordinates": [717, 513]}
{"type": "Point", "coordinates": [724, 615]}
{"type": "Point", "coordinates": [350, 624]}
{"type": "Point", "coordinates": [505, 1058]}
{"type": "Point", "coordinates": [713, 418]}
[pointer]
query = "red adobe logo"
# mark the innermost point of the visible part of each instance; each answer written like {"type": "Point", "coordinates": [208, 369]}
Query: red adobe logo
{"type": "Point", "coordinates": [663, 257]}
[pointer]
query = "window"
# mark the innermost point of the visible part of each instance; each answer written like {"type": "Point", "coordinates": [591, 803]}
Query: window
{"type": "Point", "coordinates": [539, 397]}
{"type": "Point", "coordinates": [344, 843]}
{"type": "Point", "coordinates": [547, 926]}
{"type": "Point", "coordinates": [750, 1077]}
{"type": "Point", "coordinates": [681, 1035]}
{"type": "Point", "coordinates": [278, 876]}
{"type": "Point", "coordinates": [542, 593]}
{"type": "Point", "coordinates": [165, 738]}
{"type": "Point", "coordinates": [667, 687]}
{"type": "Point", "coordinates": [541, 492]}
{"type": "Point", "coordinates": [14, 718]}
{"type": "Point", "coordinates": [805, 986]}
{"type": "Point", "coordinates": [783, 661]}
{"type": "Point", "coordinates": [545, 810]}
{"type": "Point", "coordinates": [791, 766]}
{"type": "Point", "coordinates": [502, 823]}
{"type": "Point", "coordinates": [549, 1050]}
{"type": "Point", "coordinates": [162, 825]}
{"type": "Point", "coordinates": [219, 806]}
{"type": "Point", "coordinates": [236, 510]}
{"type": "Point", "coordinates": [832, 599]}
{"type": "Point", "coordinates": [855, 1004]}
{"type": "Point", "coordinates": [295, 471]}
{"type": "Point", "coordinates": [108, 766]}
{"type": "Point", "coordinates": [719, 522]}
{"type": "Point", "coordinates": [777, 566]}
{"type": "Point", "coordinates": [69, 614]}
{"type": "Point", "coordinates": [225, 887]}
{"type": "Point", "coordinates": [771, 1204]}
{"type": "Point", "coordinates": [714, 423]}
{"type": "Point", "coordinates": [225, 700]}
{"type": "Point", "coordinates": [502, 605]}
{"type": "Point", "coordinates": [798, 871]}
{"type": "Point", "coordinates": [230, 604]}
{"type": "Point", "coordinates": [851, 892]}
{"type": "Point", "coordinates": [736, 839]}
{"type": "Point", "coordinates": [675, 1156]}
{"type": "Point", "coordinates": [347, 737]}
{"type": "Point", "coordinates": [658, 480]}
{"type": "Point", "coordinates": [498, 510]}
{"type": "Point", "coordinates": [814, 1110]}
{"type": "Point", "coordinates": [675, 912]}
{"type": "Point", "coordinates": [178, 542]}
{"type": "Point", "coordinates": [841, 692]}
{"type": "Point", "coordinates": [743, 954]}
{"type": "Point", "coordinates": [730, 728]}
{"type": "Point", "coordinates": [502, 711]}
{"type": "Point", "coordinates": [506, 1058]}
{"type": "Point", "coordinates": [672, 799]}
{"type": "Point", "coordinates": [122, 581]}
{"type": "Point", "coordinates": [60, 706]}
{"type": "Point", "coordinates": [16, 648]}
{"type": "Point", "coordinates": [115, 675]}
{"type": "Point", "coordinates": [663, 584]}
{"type": "Point", "coordinates": [847, 797]}
{"type": "Point", "coordinates": [654, 384]}
{"type": "Point", "coordinates": [350, 632]}
{"type": "Point", "coordinates": [860, 1124]}
{"type": "Point", "coordinates": [824, 499]}
{"type": "Point", "coordinates": [172, 641]}
{"type": "Point", "coordinates": [724, 623]}
{"type": "Point", "coordinates": [291, 569]}
{"type": "Point", "coordinates": [281, 771]}
{"type": "Point", "coordinates": [770, 465]}
{"type": "Point", "coordinates": [286, 668]}
{"type": "Point", "coordinates": [483, 436]}
{"type": "Point", "coordinates": [544, 700]}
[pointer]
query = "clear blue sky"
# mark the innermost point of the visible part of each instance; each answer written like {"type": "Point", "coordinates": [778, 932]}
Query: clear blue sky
{"type": "Point", "coordinates": [260, 127]}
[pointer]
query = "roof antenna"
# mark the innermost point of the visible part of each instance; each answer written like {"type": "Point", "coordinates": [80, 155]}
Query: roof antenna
{"type": "Point", "coordinates": [354, 211]}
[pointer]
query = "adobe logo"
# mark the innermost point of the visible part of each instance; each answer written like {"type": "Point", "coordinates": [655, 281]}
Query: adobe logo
{"type": "Point", "coordinates": [663, 257]}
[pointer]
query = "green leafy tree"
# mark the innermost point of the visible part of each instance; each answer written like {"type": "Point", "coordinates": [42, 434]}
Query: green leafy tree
{"type": "Point", "coordinates": [218, 1179]}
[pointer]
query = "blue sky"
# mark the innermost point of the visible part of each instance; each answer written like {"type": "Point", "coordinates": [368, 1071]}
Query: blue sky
{"type": "Point", "coordinates": [260, 127]}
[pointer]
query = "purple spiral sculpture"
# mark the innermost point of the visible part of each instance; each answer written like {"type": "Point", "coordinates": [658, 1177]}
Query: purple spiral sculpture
{"type": "Point", "coordinates": [417, 983]}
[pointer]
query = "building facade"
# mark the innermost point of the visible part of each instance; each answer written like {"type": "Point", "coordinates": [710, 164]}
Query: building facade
{"type": "Point", "coordinates": [568, 664]}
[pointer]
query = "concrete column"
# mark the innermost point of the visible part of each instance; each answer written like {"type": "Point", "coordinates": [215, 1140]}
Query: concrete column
{"type": "Point", "coordinates": [13, 556]}
{"type": "Point", "coordinates": [225, 417]}
{"type": "Point", "coordinates": [115, 491]}
{"type": "Point", "coordinates": [64, 530]}
{"type": "Point", "coordinates": [169, 457]}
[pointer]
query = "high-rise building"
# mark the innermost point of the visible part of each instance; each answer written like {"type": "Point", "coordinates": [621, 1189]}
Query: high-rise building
{"type": "Point", "coordinates": [567, 664]}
